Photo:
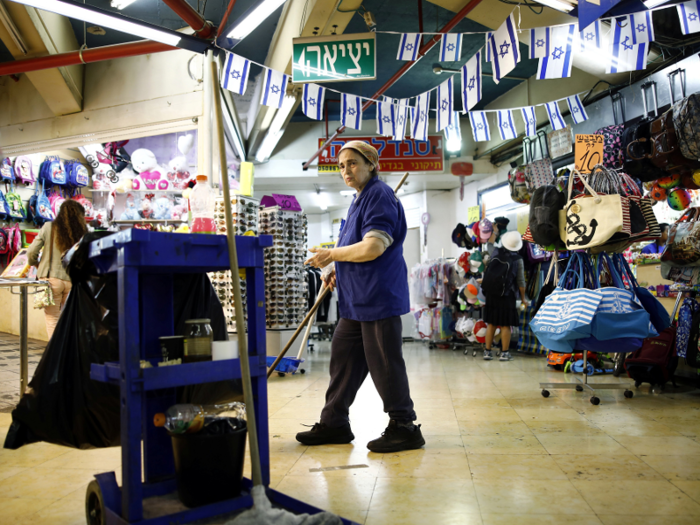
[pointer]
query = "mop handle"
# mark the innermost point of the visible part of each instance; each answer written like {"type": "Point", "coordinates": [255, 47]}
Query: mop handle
{"type": "Point", "coordinates": [309, 326]}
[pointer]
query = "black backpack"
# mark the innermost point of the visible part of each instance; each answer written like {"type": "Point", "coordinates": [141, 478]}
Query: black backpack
{"type": "Point", "coordinates": [545, 204]}
{"type": "Point", "coordinates": [500, 275]}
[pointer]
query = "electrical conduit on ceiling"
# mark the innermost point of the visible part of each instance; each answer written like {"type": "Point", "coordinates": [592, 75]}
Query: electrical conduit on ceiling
{"type": "Point", "coordinates": [402, 71]}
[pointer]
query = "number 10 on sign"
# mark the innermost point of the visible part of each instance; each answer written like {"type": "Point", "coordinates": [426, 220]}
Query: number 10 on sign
{"type": "Point", "coordinates": [588, 152]}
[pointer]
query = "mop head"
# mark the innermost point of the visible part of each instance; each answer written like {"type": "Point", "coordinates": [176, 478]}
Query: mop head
{"type": "Point", "coordinates": [263, 513]}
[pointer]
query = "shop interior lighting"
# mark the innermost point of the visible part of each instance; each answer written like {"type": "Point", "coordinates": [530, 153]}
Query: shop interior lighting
{"type": "Point", "coordinates": [454, 145]}
{"type": "Point", "coordinates": [276, 129]}
{"type": "Point", "coordinates": [651, 4]}
{"type": "Point", "coordinates": [348, 193]}
{"type": "Point", "coordinates": [104, 19]}
{"type": "Point", "coordinates": [253, 18]}
{"type": "Point", "coordinates": [557, 4]}
{"type": "Point", "coordinates": [322, 199]}
{"type": "Point", "coordinates": [121, 4]}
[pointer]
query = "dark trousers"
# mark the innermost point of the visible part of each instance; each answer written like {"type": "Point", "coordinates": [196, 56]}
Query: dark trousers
{"type": "Point", "coordinates": [360, 347]}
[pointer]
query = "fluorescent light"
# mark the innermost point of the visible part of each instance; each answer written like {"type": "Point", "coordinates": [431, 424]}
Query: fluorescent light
{"type": "Point", "coordinates": [557, 4]}
{"type": "Point", "coordinates": [275, 131]}
{"type": "Point", "coordinates": [253, 18]}
{"type": "Point", "coordinates": [651, 4]}
{"type": "Point", "coordinates": [121, 4]}
{"type": "Point", "coordinates": [102, 18]}
{"type": "Point", "coordinates": [348, 193]}
{"type": "Point", "coordinates": [454, 144]}
{"type": "Point", "coordinates": [323, 200]}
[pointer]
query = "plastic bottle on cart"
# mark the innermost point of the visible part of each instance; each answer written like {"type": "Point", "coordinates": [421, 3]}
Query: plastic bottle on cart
{"type": "Point", "coordinates": [202, 201]}
{"type": "Point", "coordinates": [187, 418]}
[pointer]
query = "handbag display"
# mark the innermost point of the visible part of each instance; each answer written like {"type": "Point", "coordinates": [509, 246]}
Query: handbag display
{"type": "Point", "coordinates": [591, 220]}
{"type": "Point", "coordinates": [538, 172]}
{"type": "Point", "coordinates": [613, 157]}
{"type": "Point", "coordinates": [567, 313]}
{"type": "Point", "coordinates": [545, 205]}
{"type": "Point", "coordinates": [518, 185]}
{"type": "Point", "coordinates": [637, 143]}
{"type": "Point", "coordinates": [686, 118]}
{"type": "Point", "coordinates": [548, 285]}
{"type": "Point", "coordinates": [683, 244]}
{"type": "Point", "coordinates": [666, 152]}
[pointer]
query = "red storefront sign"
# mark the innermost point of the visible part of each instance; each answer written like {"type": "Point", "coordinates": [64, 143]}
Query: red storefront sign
{"type": "Point", "coordinates": [394, 155]}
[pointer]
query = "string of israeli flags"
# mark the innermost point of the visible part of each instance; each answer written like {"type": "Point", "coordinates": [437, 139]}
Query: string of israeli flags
{"type": "Point", "coordinates": [392, 113]}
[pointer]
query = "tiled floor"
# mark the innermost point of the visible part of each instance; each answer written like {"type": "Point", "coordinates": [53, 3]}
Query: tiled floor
{"type": "Point", "coordinates": [9, 367]}
{"type": "Point", "coordinates": [496, 453]}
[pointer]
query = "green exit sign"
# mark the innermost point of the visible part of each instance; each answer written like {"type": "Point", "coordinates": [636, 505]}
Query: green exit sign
{"type": "Point", "coordinates": [334, 58]}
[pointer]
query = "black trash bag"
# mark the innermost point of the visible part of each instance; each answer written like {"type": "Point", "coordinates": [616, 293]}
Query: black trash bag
{"type": "Point", "coordinates": [62, 404]}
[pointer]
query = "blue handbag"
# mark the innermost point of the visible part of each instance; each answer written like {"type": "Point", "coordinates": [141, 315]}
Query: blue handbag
{"type": "Point", "coordinates": [619, 314]}
{"type": "Point", "coordinates": [657, 313]}
{"type": "Point", "coordinates": [568, 312]}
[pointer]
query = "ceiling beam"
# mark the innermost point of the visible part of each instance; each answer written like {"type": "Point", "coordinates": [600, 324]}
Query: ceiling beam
{"type": "Point", "coordinates": [202, 28]}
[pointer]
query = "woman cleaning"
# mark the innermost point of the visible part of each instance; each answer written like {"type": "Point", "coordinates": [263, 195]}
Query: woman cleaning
{"type": "Point", "coordinates": [370, 274]}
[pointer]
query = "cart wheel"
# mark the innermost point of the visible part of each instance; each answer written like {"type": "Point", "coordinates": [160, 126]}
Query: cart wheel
{"type": "Point", "coordinates": [302, 370]}
{"type": "Point", "coordinates": [281, 374]}
{"type": "Point", "coordinates": [579, 388]}
{"type": "Point", "coordinates": [474, 353]}
{"type": "Point", "coordinates": [637, 384]}
{"type": "Point", "coordinates": [655, 389]}
{"type": "Point", "coordinates": [595, 400]}
{"type": "Point", "coordinates": [545, 393]}
{"type": "Point", "coordinates": [466, 351]}
{"type": "Point", "coordinates": [629, 394]}
{"type": "Point", "coordinates": [94, 505]}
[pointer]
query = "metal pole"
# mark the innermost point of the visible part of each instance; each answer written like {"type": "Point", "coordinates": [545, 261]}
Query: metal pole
{"type": "Point", "coordinates": [208, 146]}
{"type": "Point", "coordinates": [236, 282]}
{"type": "Point", "coordinates": [192, 18]}
{"type": "Point", "coordinates": [23, 351]}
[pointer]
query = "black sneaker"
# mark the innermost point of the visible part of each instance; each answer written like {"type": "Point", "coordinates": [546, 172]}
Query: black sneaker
{"type": "Point", "coordinates": [398, 437]}
{"type": "Point", "coordinates": [320, 434]}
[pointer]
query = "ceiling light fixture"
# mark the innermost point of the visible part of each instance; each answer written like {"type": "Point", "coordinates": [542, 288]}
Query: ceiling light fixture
{"type": "Point", "coordinates": [454, 145]}
{"type": "Point", "coordinates": [121, 4]}
{"type": "Point", "coordinates": [253, 18]}
{"type": "Point", "coordinates": [117, 22]}
{"type": "Point", "coordinates": [322, 199]}
{"type": "Point", "coordinates": [651, 4]}
{"type": "Point", "coordinates": [557, 4]}
{"type": "Point", "coordinates": [276, 129]}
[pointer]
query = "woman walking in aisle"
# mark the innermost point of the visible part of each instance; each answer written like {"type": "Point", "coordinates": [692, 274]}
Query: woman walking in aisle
{"type": "Point", "coordinates": [59, 235]}
{"type": "Point", "coordinates": [372, 281]}
{"type": "Point", "coordinates": [504, 277]}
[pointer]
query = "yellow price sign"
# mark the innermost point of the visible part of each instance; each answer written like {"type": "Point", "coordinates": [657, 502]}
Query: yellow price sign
{"type": "Point", "coordinates": [588, 152]}
{"type": "Point", "coordinates": [473, 214]}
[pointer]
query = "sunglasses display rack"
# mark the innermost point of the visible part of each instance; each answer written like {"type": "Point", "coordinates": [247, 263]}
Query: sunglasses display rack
{"type": "Point", "coordinates": [244, 212]}
{"type": "Point", "coordinates": [286, 289]}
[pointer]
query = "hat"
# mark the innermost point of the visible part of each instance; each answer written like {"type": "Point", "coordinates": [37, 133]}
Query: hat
{"type": "Point", "coordinates": [476, 262]}
{"type": "Point", "coordinates": [485, 229]}
{"type": "Point", "coordinates": [474, 228]}
{"type": "Point", "coordinates": [459, 235]}
{"type": "Point", "coordinates": [512, 241]}
{"type": "Point", "coordinates": [463, 261]}
{"type": "Point", "coordinates": [364, 149]}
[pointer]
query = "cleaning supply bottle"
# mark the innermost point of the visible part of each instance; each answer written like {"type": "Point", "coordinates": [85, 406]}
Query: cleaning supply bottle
{"type": "Point", "coordinates": [188, 418]}
{"type": "Point", "coordinates": [202, 201]}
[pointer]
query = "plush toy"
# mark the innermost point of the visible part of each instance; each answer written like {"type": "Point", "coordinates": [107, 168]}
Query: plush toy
{"type": "Point", "coordinates": [179, 211]}
{"type": "Point", "coordinates": [178, 177]}
{"type": "Point", "coordinates": [146, 211]}
{"type": "Point", "coordinates": [100, 179]}
{"type": "Point", "coordinates": [130, 212]}
{"type": "Point", "coordinates": [150, 173]}
{"type": "Point", "coordinates": [163, 207]}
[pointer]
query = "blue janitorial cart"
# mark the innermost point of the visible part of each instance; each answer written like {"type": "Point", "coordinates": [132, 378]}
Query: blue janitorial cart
{"type": "Point", "coordinates": [145, 263]}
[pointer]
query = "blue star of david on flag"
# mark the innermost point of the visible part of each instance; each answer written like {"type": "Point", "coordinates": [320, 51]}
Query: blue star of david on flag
{"type": "Point", "coordinates": [506, 125]}
{"type": "Point", "coordinates": [312, 99]}
{"type": "Point", "coordinates": [386, 118]}
{"type": "Point", "coordinates": [530, 120]}
{"type": "Point", "coordinates": [445, 111]}
{"type": "Point", "coordinates": [480, 126]}
{"type": "Point", "coordinates": [351, 111]}
{"type": "Point", "coordinates": [234, 75]}
{"type": "Point", "coordinates": [450, 47]}
{"type": "Point", "coordinates": [578, 113]}
{"type": "Point", "coordinates": [557, 53]}
{"type": "Point", "coordinates": [625, 54]}
{"type": "Point", "coordinates": [399, 106]}
{"type": "Point", "coordinates": [453, 133]}
{"type": "Point", "coordinates": [274, 87]}
{"type": "Point", "coordinates": [408, 46]}
{"type": "Point", "coordinates": [642, 27]}
{"type": "Point", "coordinates": [505, 50]}
{"type": "Point", "coordinates": [539, 42]}
{"type": "Point", "coordinates": [420, 124]}
{"type": "Point", "coordinates": [689, 16]}
{"type": "Point", "coordinates": [555, 117]}
{"type": "Point", "coordinates": [591, 38]}
{"type": "Point", "coordinates": [560, 61]}
{"type": "Point", "coordinates": [471, 82]}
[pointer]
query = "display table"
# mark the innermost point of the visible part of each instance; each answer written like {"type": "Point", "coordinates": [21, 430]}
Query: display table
{"type": "Point", "coordinates": [23, 285]}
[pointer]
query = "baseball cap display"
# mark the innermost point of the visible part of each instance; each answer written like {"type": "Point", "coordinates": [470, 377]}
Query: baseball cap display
{"type": "Point", "coordinates": [474, 228]}
{"type": "Point", "coordinates": [476, 262]}
{"type": "Point", "coordinates": [463, 262]}
{"type": "Point", "coordinates": [460, 237]}
{"type": "Point", "coordinates": [485, 229]}
{"type": "Point", "coordinates": [512, 241]}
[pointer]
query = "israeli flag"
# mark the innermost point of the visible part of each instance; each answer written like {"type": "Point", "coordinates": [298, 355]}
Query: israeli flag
{"type": "Point", "coordinates": [471, 82]}
{"type": "Point", "coordinates": [444, 103]}
{"type": "Point", "coordinates": [408, 46]}
{"type": "Point", "coordinates": [505, 53]}
{"type": "Point", "coordinates": [235, 73]}
{"type": "Point", "coordinates": [480, 126]}
{"type": "Point", "coordinates": [453, 133]}
{"type": "Point", "coordinates": [419, 117]}
{"type": "Point", "coordinates": [642, 27]}
{"type": "Point", "coordinates": [506, 124]}
{"type": "Point", "coordinates": [350, 111]}
{"type": "Point", "coordinates": [591, 38]}
{"type": "Point", "coordinates": [401, 107]}
{"type": "Point", "coordinates": [312, 101]}
{"type": "Point", "coordinates": [274, 88]}
{"type": "Point", "coordinates": [577, 112]}
{"type": "Point", "coordinates": [488, 47]}
{"type": "Point", "coordinates": [689, 14]}
{"type": "Point", "coordinates": [557, 64]}
{"type": "Point", "coordinates": [386, 118]}
{"type": "Point", "coordinates": [530, 120]}
{"type": "Point", "coordinates": [625, 55]}
{"type": "Point", "coordinates": [451, 47]}
{"type": "Point", "coordinates": [539, 42]}
{"type": "Point", "coordinates": [555, 118]}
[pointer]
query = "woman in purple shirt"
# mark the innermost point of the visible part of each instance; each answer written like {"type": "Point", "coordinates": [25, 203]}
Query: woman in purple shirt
{"type": "Point", "coordinates": [658, 245]}
{"type": "Point", "coordinates": [371, 276]}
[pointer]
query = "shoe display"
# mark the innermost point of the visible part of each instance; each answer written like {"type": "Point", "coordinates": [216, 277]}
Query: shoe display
{"type": "Point", "coordinates": [397, 437]}
{"type": "Point", "coordinates": [320, 434]}
{"type": "Point", "coordinates": [488, 355]}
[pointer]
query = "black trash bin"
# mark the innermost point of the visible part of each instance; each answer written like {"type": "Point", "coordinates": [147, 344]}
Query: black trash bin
{"type": "Point", "coordinates": [209, 467]}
